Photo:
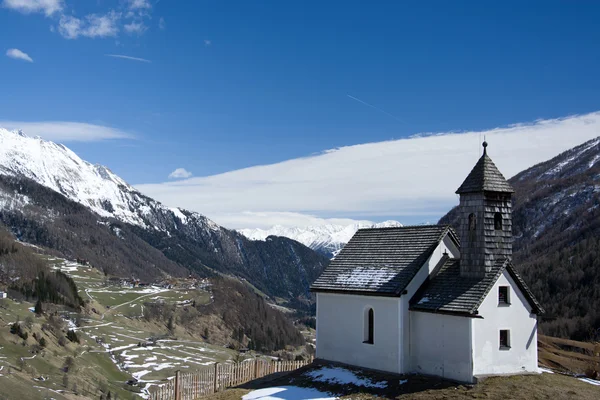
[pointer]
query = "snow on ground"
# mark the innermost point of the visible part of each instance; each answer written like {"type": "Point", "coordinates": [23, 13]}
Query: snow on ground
{"type": "Point", "coordinates": [287, 393]}
{"type": "Point", "coordinates": [342, 376]}
{"type": "Point", "coordinates": [546, 370]}
{"type": "Point", "coordinates": [590, 381]}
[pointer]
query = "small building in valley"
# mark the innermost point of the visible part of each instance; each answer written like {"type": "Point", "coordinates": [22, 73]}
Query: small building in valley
{"type": "Point", "coordinates": [2, 295]}
{"type": "Point", "coordinates": [429, 300]}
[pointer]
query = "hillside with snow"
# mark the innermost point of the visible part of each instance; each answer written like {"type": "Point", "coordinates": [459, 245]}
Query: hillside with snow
{"type": "Point", "coordinates": [327, 239]}
{"type": "Point", "coordinates": [32, 169]}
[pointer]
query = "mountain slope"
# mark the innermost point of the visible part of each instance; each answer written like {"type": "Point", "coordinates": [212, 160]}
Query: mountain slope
{"type": "Point", "coordinates": [556, 225]}
{"type": "Point", "coordinates": [326, 239]}
{"type": "Point", "coordinates": [278, 267]}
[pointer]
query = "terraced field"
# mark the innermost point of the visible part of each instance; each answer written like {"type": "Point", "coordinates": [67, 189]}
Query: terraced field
{"type": "Point", "coordinates": [116, 344]}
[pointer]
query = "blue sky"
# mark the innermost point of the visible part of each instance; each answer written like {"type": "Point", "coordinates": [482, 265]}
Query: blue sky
{"type": "Point", "coordinates": [231, 84]}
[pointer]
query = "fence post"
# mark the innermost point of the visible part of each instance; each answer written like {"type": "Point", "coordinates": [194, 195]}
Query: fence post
{"type": "Point", "coordinates": [177, 387]}
{"type": "Point", "coordinates": [216, 386]}
{"type": "Point", "coordinates": [255, 368]}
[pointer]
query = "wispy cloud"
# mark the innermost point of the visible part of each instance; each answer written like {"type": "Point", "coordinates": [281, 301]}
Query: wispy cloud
{"type": "Point", "coordinates": [47, 7]}
{"type": "Point", "coordinates": [408, 178]}
{"type": "Point", "coordinates": [66, 131]}
{"type": "Point", "coordinates": [376, 108]}
{"type": "Point", "coordinates": [180, 173]}
{"type": "Point", "coordinates": [162, 25]}
{"type": "Point", "coordinates": [92, 26]}
{"type": "Point", "coordinates": [207, 42]}
{"type": "Point", "coordinates": [18, 55]}
{"type": "Point", "coordinates": [135, 28]}
{"type": "Point", "coordinates": [128, 57]}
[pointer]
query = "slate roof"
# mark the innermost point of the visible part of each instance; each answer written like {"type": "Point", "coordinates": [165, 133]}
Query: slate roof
{"type": "Point", "coordinates": [381, 261]}
{"type": "Point", "coordinates": [485, 177]}
{"type": "Point", "coordinates": [446, 291]}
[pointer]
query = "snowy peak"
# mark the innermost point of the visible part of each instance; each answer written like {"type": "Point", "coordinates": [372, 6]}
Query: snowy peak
{"type": "Point", "coordinates": [327, 239]}
{"type": "Point", "coordinates": [56, 167]}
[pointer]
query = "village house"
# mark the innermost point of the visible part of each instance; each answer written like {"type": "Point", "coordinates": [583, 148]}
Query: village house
{"type": "Point", "coordinates": [426, 299]}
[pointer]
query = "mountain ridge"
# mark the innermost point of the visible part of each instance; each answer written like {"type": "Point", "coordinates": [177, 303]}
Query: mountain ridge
{"type": "Point", "coordinates": [188, 240]}
{"type": "Point", "coordinates": [327, 239]}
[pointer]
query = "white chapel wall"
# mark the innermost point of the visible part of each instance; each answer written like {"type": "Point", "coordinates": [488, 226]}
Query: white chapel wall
{"type": "Point", "coordinates": [441, 345]}
{"type": "Point", "coordinates": [488, 358]}
{"type": "Point", "coordinates": [445, 246]}
{"type": "Point", "coordinates": [340, 330]}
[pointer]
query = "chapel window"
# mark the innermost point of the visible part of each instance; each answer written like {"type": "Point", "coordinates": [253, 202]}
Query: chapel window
{"type": "Point", "coordinates": [503, 295]}
{"type": "Point", "coordinates": [369, 326]}
{"type": "Point", "coordinates": [504, 339]}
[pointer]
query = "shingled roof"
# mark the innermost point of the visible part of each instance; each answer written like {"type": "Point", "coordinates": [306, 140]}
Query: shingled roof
{"type": "Point", "coordinates": [485, 177]}
{"type": "Point", "coordinates": [446, 291]}
{"type": "Point", "coordinates": [381, 261]}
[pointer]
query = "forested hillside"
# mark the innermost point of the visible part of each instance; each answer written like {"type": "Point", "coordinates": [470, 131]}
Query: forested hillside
{"type": "Point", "coordinates": [27, 276]}
{"type": "Point", "coordinates": [51, 197]}
{"type": "Point", "coordinates": [556, 226]}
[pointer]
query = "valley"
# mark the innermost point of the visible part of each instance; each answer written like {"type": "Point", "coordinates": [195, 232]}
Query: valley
{"type": "Point", "coordinates": [119, 349]}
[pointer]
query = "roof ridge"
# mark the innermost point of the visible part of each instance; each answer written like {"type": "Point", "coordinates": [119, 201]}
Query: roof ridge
{"type": "Point", "coordinates": [403, 227]}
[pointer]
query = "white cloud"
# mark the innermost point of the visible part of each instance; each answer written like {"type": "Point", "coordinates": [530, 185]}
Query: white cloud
{"type": "Point", "coordinates": [135, 27]}
{"type": "Point", "coordinates": [139, 4]}
{"type": "Point", "coordinates": [18, 55]}
{"type": "Point", "coordinates": [162, 24]}
{"type": "Point", "coordinates": [414, 177]}
{"type": "Point", "coordinates": [128, 57]}
{"type": "Point", "coordinates": [91, 26]}
{"type": "Point", "coordinates": [207, 42]}
{"type": "Point", "coordinates": [180, 173]}
{"type": "Point", "coordinates": [65, 131]}
{"type": "Point", "coordinates": [47, 7]}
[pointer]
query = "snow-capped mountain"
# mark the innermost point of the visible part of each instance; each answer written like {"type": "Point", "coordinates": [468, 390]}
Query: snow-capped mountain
{"type": "Point", "coordinates": [327, 239]}
{"type": "Point", "coordinates": [95, 186]}
{"type": "Point", "coordinates": [186, 238]}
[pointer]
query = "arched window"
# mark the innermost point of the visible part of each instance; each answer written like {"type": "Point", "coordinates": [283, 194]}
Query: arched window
{"type": "Point", "coordinates": [472, 222]}
{"type": "Point", "coordinates": [498, 221]}
{"type": "Point", "coordinates": [369, 326]}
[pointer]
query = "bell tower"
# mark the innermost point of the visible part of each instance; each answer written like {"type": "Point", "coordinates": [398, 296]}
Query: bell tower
{"type": "Point", "coordinates": [485, 212]}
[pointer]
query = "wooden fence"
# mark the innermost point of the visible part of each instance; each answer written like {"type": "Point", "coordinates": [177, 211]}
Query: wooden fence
{"type": "Point", "coordinates": [216, 377]}
{"type": "Point", "coordinates": [571, 355]}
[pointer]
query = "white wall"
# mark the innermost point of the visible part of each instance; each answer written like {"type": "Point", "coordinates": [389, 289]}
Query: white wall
{"type": "Point", "coordinates": [522, 356]}
{"type": "Point", "coordinates": [340, 330]}
{"type": "Point", "coordinates": [446, 245]}
{"type": "Point", "coordinates": [441, 345]}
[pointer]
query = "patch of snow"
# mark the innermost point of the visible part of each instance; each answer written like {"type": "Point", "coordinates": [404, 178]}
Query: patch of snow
{"type": "Point", "coordinates": [546, 370]}
{"type": "Point", "coordinates": [287, 393]}
{"type": "Point", "coordinates": [424, 300]}
{"type": "Point", "coordinates": [342, 376]}
{"type": "Point", "coordinates": [590, 381]}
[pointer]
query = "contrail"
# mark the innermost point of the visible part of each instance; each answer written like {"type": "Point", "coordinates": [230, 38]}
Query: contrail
{"type": "Point", "coordinates": [376, 108]}
{"type": "Point", "coordinates": [128, 57]}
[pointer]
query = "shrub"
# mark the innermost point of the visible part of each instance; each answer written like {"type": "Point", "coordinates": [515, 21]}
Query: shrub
{"type": "Point", "coordinates": [72, 336]}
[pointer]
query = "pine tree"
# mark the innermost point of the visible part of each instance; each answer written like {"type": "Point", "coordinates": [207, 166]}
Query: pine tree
{"type": "Point", "coordinates": [38, 307]}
